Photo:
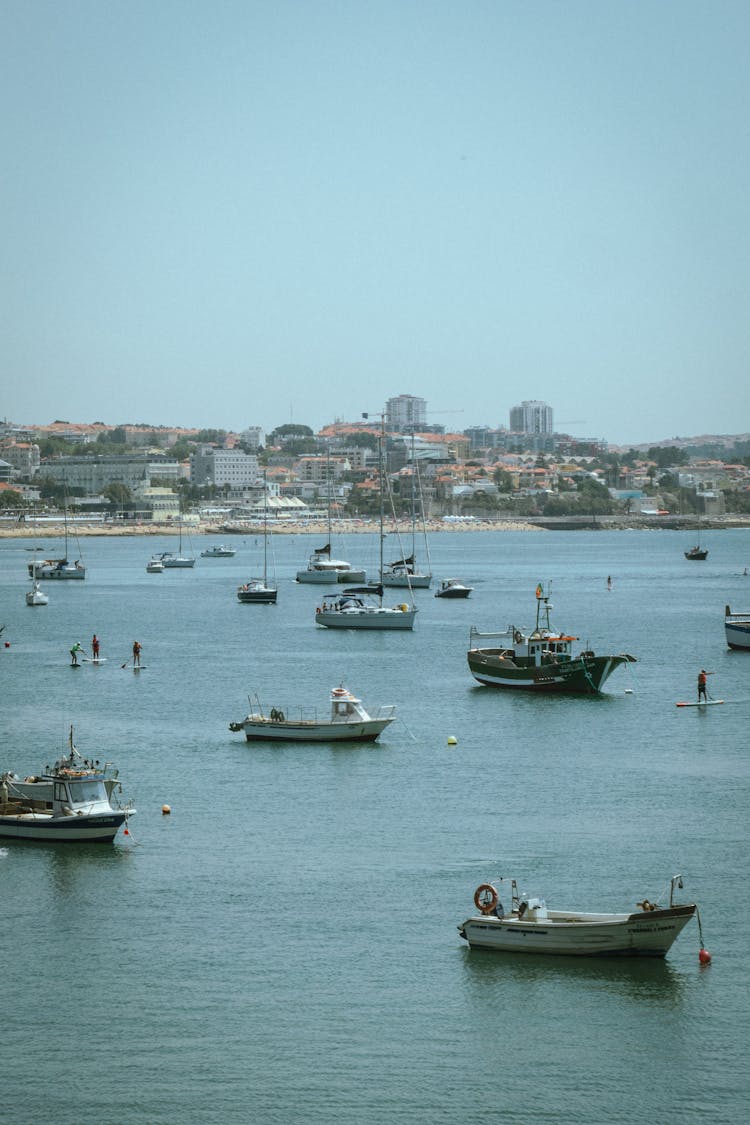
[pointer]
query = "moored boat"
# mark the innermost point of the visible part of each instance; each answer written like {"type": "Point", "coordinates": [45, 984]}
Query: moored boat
{"type": "Point", "coordinates": [218, 552]}
{"type": "Point", "coordinates": [361, 607]}
{"type": "Point", "coordinates": [348, 722]}
{"type": "Point", "coordinates": [69, 801]}
{"type": "Point", "coordinates": [155, 565]}
{"type": "Point", "coordinates": [541, 660]}
{"type": "Point", "coordinates": [61, 568]}
{"type": "Point", "coordinates": [737, 629]}
{"type": "Point", "coordinates": [36, 596]}
{"type": "Point", "coordinates": [259, 591]}
{"type": "Point", "coordinates": [696, 554]}
{"type": "Point", "coordinates": [530, 927]}
{"type": "Point", "coordinates": [453, 588]}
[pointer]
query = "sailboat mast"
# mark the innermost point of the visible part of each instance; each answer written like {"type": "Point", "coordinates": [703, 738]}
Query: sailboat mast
{"type": "Point", "coordinates": [265, 529]}
{"type": "Point", "coordinates": [380, 484]}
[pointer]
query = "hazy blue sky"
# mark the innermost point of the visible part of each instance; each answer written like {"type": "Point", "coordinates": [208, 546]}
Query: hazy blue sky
{"type": "Point", "coordinates": [235, 213]}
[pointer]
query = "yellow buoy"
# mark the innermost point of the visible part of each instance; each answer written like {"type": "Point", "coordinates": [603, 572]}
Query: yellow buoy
{"type": "Point", "coordinates": [165, 810]}
{"type": "Point", "coordinates": [452, 741]}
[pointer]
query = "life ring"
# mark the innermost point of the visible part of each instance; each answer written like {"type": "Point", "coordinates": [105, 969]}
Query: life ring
{"type": "Point", "coordinates": [517, 636]}
{"type": "Point", "coordinates": [339, 691]}
{"type": "Point", "coordinates": [485, 898]}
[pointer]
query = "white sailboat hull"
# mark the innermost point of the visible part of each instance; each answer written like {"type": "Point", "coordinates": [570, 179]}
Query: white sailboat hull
{"type": "Point", "coordinates": [54, 569]}
{"type": "Point", "coordinates": [403, 581]}
{"type": "Point", "coordinates": [366, 617]}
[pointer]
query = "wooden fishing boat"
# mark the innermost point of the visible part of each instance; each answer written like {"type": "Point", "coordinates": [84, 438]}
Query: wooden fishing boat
{"type": "Point", "coordinates": [530, 927]}
{"type": "Point", "coordinates": [348, 722]}
{"type": "Point", "coordinates": [541, 660]}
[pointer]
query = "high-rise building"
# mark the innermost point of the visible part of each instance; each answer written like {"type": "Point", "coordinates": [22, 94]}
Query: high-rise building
{"type": "Point", "coordinates": [531, 417]}
{"type": "Point", "coordinates": [405, 413]}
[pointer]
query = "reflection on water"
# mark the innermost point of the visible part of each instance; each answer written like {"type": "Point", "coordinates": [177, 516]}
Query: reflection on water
{"type": "Point", "coordinates": [651, 979]}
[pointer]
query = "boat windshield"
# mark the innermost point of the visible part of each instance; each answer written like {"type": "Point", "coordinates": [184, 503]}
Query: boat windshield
{"type": "Point", "coordinates": [82, 792]}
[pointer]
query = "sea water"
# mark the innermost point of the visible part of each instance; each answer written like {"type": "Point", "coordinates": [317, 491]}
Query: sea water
{"type": "Point", "coordinates": [283, 946]}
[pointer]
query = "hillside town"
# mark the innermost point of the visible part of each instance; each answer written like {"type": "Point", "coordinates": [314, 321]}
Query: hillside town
{"type": "Point", "coordinates": [530, 473]}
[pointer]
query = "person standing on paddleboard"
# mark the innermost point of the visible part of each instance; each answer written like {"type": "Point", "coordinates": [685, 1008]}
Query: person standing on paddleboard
{"type": "Point", "coordinates": [94, 647]}
{"type": "Point", "coordinates": [136, 654]}
{"type": "Point", "coordinates": [702, 685]}
{"type": "Point", "coordinates": [77, 647]}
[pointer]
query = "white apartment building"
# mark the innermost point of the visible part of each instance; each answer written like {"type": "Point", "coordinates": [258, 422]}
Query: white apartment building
{"type": "Point", "coordinates": [92, 474]}
{"type": "Point", "coordinates": [405, 412]}
{"type": "Point", "coordinates": [531, 417]}
{"type": "Point", "coordinates": [222, 467]}
{"type": "Point", "coordinates": [254, 436]}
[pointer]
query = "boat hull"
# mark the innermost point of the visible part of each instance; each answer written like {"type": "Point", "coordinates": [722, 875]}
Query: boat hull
{"type": "Point", "coordinates": [267, 730]}
{"type": "Point", "coordinates": [68, 829]}
{"type": "Point", "coordinates": [326, 577]}
{"type": "Point", "coordinates": [461, 592]}
{"type": "Point", "coordinates": [55, 570]}
{"type": "Point", "coordinates": [366, 618]}
{"type": "Point", "coordinates": [644, 934]}
{"type": "Point", "coordinates": [402, 582]}
{"type": "Point", "coordinates": [257, 597]}
{"type": "Point", "coordinates": [737, 633]}
{"type": "Point", "coordinates": [583, 676]}
{"type": "Point", "coordinates": [177, 563]}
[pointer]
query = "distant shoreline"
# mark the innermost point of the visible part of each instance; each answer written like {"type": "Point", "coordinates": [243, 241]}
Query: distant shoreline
{"type": "Point", "coordinates": [30, 530]}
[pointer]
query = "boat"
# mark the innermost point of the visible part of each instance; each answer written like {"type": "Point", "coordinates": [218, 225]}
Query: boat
{"type": "Point", "coordinates": [453, 588]}
{"type": "Point", "coordinates": [218, 552]}
{"type": "Point", "coordinates": [348, 722]}
{"type": "Point", "coordinates": [259, 591]}
{"type": "Point", "coordinates": [737, 629]}
{"type": "Point", "coordinates": [155, 565]}
{"type": "Point", "coordinates": [541, 660]}
{"type": "Point", "coordinates": [404, 573]}
{"type": "Point", "coordinates": [61, 568]}
{"type": "Point", "coordinates": [321, 569]}
{"type": "Point", "coordinates": [35, 596]}
{"type": "Point", "coordinates": [530, 926]}
{"type": "Point", "coordinates": [696, 554]}
{"type": "Point", "coordinates": [170, 560]}
{"type": "Point", "coordinates": [361, 607]}
{"type": "Point", "coordinates": [72, 801]}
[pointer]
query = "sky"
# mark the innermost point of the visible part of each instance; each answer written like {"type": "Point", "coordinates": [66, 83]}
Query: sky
{"type": "Point", "coordinates": [225, 213]}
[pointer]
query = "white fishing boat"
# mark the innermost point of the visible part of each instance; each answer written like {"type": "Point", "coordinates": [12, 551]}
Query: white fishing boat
{"type": "Point", "coordinates": [218, 552]}
{"type": "Point", "coordinates": [259, 591]}
{"type": "Point", "coordinates": [35, 595]}
{"type": "Point", "coordinates": [72, 801]}
{"type": "Point", "coordinates": [155, 565]}
{"type": "Point", "coordinates": [405, 573]}
{"type": "Point", "coordinates": [56, 569]}
{"type": "Point", "coordinates": [321, 569]}
{"type": "Point", "coordinates": [348, 721]}
{"type": "Point", "coordinates": [529, 926]}
{"type": "Point", "coordinates": [737, 629]}
{"type": "Point", "coordinates": [453, 588]}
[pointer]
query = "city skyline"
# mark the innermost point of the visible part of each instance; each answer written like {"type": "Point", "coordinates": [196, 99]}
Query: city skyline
{"type": "Point", "coordinates": [241, 212]}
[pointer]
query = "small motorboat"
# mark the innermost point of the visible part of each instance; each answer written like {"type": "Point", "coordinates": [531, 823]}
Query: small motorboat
{"type": "Point", "coordinates": [453, 588]}
{"type": "Point", "coordinates": [218, 552]}
{"type": "Point", "coordinates": [155, 565]}
{"type": "Point", "coordinates": [530, 927]}
{"type": "Point", "coordinates": [348, 722]}
{"type": "Point", "coordinates": [73, 800]}
{"type": "Point", "coordinates": [35, 596]}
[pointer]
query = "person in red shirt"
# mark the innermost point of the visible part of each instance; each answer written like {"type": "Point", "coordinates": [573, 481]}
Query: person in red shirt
{"type": "Point", "coordinates": [702, 685]}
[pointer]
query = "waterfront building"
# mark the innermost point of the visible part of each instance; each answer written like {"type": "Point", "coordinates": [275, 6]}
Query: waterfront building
{"type": "Point", "coordinates": [221, 467]}
{"type": "Point", "coordinates": [93, 474]}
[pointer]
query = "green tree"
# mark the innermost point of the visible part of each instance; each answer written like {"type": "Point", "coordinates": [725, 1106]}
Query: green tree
{"type": "Point", "coordinates": [119, 495]}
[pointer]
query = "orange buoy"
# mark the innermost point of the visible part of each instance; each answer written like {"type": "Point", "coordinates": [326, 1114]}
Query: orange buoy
{"type": "Point", "coordinates": [704, 957]}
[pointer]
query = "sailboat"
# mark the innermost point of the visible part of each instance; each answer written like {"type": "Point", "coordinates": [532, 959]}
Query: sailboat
{"type": "Point", "coordinates": [35, 596]}
{"type": "Point", "coordinates": [355, 607]}
{"type": "Point", "coordinates": [170, 560]}
{"type": "Point", "coordinates": [259, 591]}
{"type": "Point", "coordinates": [404, 572]}
{"type": "Point", "coordinates": [58, 568]}
{"type": "Point", "coordinates": [321, 568]}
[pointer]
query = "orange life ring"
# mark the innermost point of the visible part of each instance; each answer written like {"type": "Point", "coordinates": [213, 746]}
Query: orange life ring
{"type": "Point", "coordinates": [482, 902]}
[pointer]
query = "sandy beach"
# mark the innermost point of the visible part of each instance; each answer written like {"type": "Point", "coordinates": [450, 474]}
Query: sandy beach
{"type": "Point", "coordinates": [14, 530]}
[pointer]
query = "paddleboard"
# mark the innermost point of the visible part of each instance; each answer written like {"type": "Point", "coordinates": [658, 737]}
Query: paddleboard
{"type": "Point", "coordinates": [706, 703]}
{"type": "Point", "coordinates": [96, 660]}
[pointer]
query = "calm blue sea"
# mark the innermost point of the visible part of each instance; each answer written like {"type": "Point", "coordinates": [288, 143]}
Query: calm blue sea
{"type": "Point", "coordinates": [283, 947]}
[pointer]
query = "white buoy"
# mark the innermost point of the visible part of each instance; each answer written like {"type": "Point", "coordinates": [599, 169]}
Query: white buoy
{"type": "Point", "coordinates": [628, 691]}
{"type": "Point", "coordinates": [452, 741]}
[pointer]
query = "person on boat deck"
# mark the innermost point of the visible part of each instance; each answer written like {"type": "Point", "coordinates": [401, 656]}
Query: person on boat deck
{"type": "Point", "coordinates": [95, 647]}
{"type": "Point", "coordinates": [136, 654]}
{"type": "Point", "coordinates": [702, 684]}
{"type": "Point", "coordinates": [77, 647]}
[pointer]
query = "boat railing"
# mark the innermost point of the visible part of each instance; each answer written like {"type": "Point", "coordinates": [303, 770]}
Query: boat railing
{"type": "Point", "coordinates": [475, 633]}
